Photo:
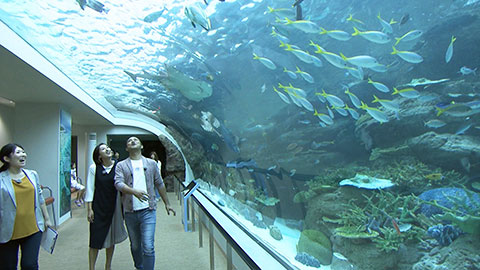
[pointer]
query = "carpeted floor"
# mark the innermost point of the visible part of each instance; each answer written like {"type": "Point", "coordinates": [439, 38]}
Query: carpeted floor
{"type": "Point", "coordinates": [174, 248]}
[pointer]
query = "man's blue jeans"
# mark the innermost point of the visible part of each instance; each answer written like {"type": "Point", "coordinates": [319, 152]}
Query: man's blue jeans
{"type": "Point", "coordinates": [141, 231]}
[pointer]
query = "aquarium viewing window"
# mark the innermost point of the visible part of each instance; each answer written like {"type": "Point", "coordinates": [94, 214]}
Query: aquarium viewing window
{"type": "Point", "coordinates": [335, 134]}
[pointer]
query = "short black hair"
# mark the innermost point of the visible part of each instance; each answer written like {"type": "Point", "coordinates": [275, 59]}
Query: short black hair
{"type": "Point", "coordinates": [6, 151]}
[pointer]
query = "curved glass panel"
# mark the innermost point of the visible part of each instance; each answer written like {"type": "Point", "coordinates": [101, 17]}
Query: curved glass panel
{"type": "Point", "coordinates": [340, 133]}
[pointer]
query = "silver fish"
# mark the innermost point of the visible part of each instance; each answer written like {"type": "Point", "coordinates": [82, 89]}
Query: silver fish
{"type": "Point", "coordinates": [435, 123]}
{"type": "Point", "coordinates": [467, 71]}
{"type": "Point", "coordinates": [340, 256]}
{"type": "Point", "coordinates": [463, 129]}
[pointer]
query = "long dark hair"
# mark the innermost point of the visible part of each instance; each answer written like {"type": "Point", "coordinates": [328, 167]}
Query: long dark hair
{"type": "Point", "coordinates": [96, 154]}
{"type": "Point", "coordinates": [154, 154]}
{"type": "Point", "coordinates": [6, 151]}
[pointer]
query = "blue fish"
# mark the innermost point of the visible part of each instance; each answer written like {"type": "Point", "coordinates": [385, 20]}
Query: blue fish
{"type": "Point", "coordinates": [93, 4]}
{"type": "Point", "coordinates": [305, 122]}
{"type": "Point", "coordinates": [473, 104]}
{"type": "Point", "coordinates": [463, 129]}
{"type": "Point", "coordinates": [241, 164]}
{"type": "Point", "coordinates": [466, 71]}
{"type": "Point", "coordinates": [154, 16]}
{"type": "Point", "coordinates": [229, 139]}
{"type": "Point", "coordinates": [443, 105]}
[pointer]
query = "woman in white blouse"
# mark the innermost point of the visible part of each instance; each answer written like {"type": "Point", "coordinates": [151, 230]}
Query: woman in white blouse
{"type": "Point", "coordinates": [154, 156]}
{"type": "Point", "coordinates": [103, 207]}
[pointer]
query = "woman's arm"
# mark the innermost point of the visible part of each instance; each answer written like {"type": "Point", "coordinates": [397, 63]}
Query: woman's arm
{"type": "Point", "coordinates": [90, 190]}
{"type": "Point", "coordinates": [90, 185]}
{"type": "Point", "coordinates": [46, 216]}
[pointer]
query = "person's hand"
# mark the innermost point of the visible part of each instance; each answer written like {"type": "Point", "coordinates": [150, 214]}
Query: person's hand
{"type": "Point", "coordinates": [170, 209]}
{"type": "Point", "coordinates": [141, 195]}
{"type": "Point", "coordinates": [48, 223]}
{"type": "Point", "coordinates": [90, 215]}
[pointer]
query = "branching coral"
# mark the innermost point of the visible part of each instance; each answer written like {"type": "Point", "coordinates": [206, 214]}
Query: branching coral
{"type": "Point", "coordinates": [355, 217]}
{"type": "Point", "coordinates": [402, 208]}
{"type": "Point", "coordinates": [390, 240]}
{"type": "Point", "coordinates": [408, 174]}
{"type": "Point", "coordinates": [383, 219]}
{"type": "Point", "coordinates": [411, 175]}
{"type": "Point", "coordinates": [326, 181]}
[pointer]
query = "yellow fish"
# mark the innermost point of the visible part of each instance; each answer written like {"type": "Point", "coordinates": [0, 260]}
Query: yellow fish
{"type": "Point", "coordinates": [351, 19]}
{"type": "Point", "coordinates": [435, 176]}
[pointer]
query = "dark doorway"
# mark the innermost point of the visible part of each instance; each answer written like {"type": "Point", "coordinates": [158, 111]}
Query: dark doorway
{"type": "Point", "coordinates": [74, 150]}
{"type": "Point", "coordinates": [150, 143]}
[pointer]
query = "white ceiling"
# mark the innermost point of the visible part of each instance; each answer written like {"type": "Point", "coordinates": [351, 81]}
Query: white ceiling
{"type": "Point", "coordinates": [20, 82]}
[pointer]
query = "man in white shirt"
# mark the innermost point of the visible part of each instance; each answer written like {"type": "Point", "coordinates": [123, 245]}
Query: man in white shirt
{"type": "Point", "coordinates": [137, 178]}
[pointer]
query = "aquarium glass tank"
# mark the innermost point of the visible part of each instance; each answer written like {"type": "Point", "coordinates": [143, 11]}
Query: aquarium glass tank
{"type": "Point", "coordinates": [340, 134]}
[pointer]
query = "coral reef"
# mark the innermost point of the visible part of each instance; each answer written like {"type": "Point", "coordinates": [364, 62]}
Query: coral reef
{"type": "Point", "coordinates": [411, 175]}
{"type": "Point", "coordinates": [451, 198]}
{"type": "Point", "coordinates": [461, 254]}
{"type": "Point", "coordinates": [378, 220]}
{"type": "Point", "coordinates": [390, 240]}
{"type": "Point", "coordinates": [354, 233]}
{"type": "Point", "coordinates": [459, 206]}
{"type": "Point", "coordinates": [326, 181]}
{"type": "Point", "coordinates": [407, 173]}
{"type": "Point", "coordinates": [363, 254]}
{"type": "Point", "coordinates": [307, 259]}
{"type": "Point", "coordinates": [444, 234]}
{"type": "Point", "coordinates": [331, 176]}
{"type": "Point", "coordinates": [316, 244]}
{"type": "Point", "coordinates": [469, 224]}
{"type": "Point", "coordinates": [367, 182]}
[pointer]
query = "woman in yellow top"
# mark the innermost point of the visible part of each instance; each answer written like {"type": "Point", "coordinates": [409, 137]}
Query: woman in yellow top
{"type": "Point", "coordinates": [23, 213]}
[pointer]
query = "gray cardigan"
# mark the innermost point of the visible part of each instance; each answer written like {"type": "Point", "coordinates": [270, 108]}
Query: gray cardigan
{"type": "Point", "coordinates": [124, 176]}
{"type": "Point", "coordinates": [8, 204]}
